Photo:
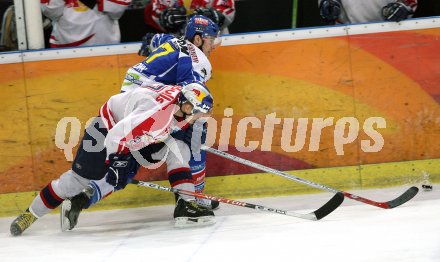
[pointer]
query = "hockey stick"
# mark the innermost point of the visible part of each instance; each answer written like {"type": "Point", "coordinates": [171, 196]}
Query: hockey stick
{"type": "Point", "coordinates": [403, 198]}
{"type": "Point", "coordinates": [321, 212]}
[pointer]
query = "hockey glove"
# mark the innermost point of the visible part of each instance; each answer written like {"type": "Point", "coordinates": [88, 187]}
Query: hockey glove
{"type": "Point", "coordinates": [213, 14]}
{"type": "Point", "coordinates": [145, 49]}
{"type": "Point", "coordinates": [121, 169]}
{"type": "Point", "coordinates": [330, 10]}
{"type": "Point", "coordinates": [172, 19]}
{"type": "Point", "coordinates": [396, 12]}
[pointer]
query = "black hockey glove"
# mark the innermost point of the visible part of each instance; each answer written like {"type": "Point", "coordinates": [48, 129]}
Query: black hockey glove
{"type": "Point", "coordinates": [145, 47]}
{"type": "Point", "coordinates": [172, 19]}
{"type": "Point", "coordinates": [121, 168]}
{"type": "Point", "coordinates": [396, 12]}
{"type": "Point", "coordinates": [213, 14]}
{"type": "Point", "coordinates": [330, 10]}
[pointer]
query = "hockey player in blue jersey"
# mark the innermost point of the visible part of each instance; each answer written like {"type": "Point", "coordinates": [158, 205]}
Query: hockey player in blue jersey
{"type": "Point", "coordinates": [171, 60]}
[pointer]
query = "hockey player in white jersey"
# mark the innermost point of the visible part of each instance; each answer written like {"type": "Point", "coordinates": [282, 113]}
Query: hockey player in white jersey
{"type": "Point", "coordinates": [84, 22]}
{"type": "Point", "coordinates": [142, 119]}
{"type": "Point", "coordinates": [357, 11]}
{"type": "Point", "coordinates": [170, 60]}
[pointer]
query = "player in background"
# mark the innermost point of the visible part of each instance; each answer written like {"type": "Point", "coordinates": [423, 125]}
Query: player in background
{"type": "Point", "coordinates": [130, 122]}
{"type": "Point", "coordinates": [84, 22]}
{"type": "Point", "coordinates": [355, 11]}
{"type": "Point", "coordinates": [170, 16]}
{"type": "Point", "coordinates": [178, 61]}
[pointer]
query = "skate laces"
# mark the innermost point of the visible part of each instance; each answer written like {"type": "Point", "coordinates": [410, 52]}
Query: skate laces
{"type": "Point", "coordinates": [194, 205]}
{"type": "Point", "coordinates": [26, 220]}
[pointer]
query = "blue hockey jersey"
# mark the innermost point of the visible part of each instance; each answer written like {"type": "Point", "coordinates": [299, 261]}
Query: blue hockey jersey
{"type": "Point", "coordinates": [175, 61]}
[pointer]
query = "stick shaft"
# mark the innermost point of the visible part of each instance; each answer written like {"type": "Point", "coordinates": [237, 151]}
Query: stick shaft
{"type": "Point", "coordinates": [406, 196]}
{"type": "Point", "coordinates": [310, 216]}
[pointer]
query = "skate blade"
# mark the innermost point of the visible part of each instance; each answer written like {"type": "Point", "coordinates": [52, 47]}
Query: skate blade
{"type": "Point", "coordinates": [65, 222]}
{"type": "Point", "coordinates": [184, 222]}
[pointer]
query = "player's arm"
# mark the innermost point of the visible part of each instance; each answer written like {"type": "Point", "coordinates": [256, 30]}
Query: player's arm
{"type": "Point", "coordinates": [53, 9]}
{"type": "Point", "coordinates": [227, 9]}
{"type": "Point", "coordinates": [113, 8]}
{"type": "Point", "coordinates": [151, 41]}
{"type": "Point", "coordinates": [142, 127]}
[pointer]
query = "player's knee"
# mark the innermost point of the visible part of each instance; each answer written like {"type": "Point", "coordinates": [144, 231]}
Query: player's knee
{"type": "Point", "coordinates": [69, 184]}
{"type": "Point", "coordinates": [179, 154]}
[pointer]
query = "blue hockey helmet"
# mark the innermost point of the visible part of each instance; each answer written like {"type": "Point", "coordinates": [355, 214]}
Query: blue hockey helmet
{"type": "Point", "coordinates": [198, 95]}
{"type": "Point", "coordinates": [202, 25]}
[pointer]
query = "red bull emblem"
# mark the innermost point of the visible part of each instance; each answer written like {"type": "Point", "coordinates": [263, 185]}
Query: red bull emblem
{"type": "Point", "coordinates": [197, 92]}
{"type": "Point", "coordinates": [200, 21]}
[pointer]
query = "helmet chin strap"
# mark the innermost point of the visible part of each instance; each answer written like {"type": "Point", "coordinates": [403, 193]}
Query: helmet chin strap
{"type": "Point", "coordinates": [203, 42]}
{"type": "Point", "coordinates": [185, 115]}
{"type": "Point", "coordinates": [201, 46]}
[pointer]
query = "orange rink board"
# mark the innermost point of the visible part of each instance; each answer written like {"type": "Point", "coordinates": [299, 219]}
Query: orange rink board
{"type": "Point", "coordinates": [321, 104]}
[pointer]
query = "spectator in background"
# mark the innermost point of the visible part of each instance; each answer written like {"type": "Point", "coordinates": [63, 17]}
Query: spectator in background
{"type": "Point", "coordinates": [84, 22]}
{"type": "Point", "coordinates": [361, 11]}
{"type": "Point", "coordinates": [170, 16]}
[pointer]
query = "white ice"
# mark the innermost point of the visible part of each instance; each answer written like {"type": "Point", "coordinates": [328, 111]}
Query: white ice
{"type": "Point", "coordinates": [354, 232]}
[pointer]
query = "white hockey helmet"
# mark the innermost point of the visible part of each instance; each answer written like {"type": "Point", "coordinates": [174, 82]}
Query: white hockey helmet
{"type": "Point", "coordinates": [198, 95]}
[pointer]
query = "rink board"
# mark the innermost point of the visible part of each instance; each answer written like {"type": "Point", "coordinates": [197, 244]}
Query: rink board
{"type": "Point", "coordinates": [389, 71]}
{"type": "Point", "coordinates": [262, 185]}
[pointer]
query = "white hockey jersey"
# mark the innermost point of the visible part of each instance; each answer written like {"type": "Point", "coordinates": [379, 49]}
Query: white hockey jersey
{"type": "Point", "coordinates": [141, 117]}
{"type": "Point", "coordinates": [75, 24]}
{"type": "Point", "coordinates": [363, 11]}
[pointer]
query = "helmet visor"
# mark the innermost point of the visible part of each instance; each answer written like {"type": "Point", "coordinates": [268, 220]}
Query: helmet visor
{"type": "Point", "coordinates": [214, 41]}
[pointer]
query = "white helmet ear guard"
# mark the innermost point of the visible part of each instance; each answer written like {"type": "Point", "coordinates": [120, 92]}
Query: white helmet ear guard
{"type": "Point", "coordinates": [198, 95]}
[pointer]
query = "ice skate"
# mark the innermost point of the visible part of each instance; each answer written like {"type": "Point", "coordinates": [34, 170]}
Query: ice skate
{"type": "Point", "coordinates": [188, 214]}
{"type": "Point", "coordinates": [209, 204]}
{"type": "Point", "coordinates": [22, 222]}
{"type": "Point", "coordinates": [72, 207]}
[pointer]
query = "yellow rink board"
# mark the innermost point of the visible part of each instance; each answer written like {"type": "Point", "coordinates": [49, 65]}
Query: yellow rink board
{"type": "Point", "coordinates": [260, 185]}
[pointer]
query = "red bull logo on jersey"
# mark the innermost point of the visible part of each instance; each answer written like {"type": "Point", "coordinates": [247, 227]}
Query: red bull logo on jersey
{"type": "Point", "coordinates": [169, 94]}
{"type": "Point", "coordinates": [201, 21]}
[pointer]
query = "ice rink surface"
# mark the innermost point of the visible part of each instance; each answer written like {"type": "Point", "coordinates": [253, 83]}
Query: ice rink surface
{"type": "Point", "coordinates": [354, 232]}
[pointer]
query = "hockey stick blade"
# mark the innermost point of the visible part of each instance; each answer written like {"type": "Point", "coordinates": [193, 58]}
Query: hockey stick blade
{"type": "Point", "coordinates": [330, 206]}
{"type": "Point", "coordinates": [323, 211]}
{"type": "Point", "coordinates": [405, 197]}
{"type": "Point", "coordinates": [402, 199]}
